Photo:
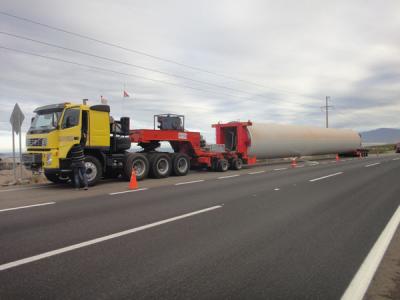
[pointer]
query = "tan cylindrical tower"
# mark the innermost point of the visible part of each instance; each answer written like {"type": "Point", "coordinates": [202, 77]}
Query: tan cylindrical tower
{"type": "Point", "coordinates": [275, 140]}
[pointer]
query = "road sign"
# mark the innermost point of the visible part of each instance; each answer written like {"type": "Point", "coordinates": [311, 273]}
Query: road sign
{"type": "Point", "coordinates": [16, 119]}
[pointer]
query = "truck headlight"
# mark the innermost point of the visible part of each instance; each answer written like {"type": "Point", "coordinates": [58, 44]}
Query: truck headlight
{"type": "Point", "coordinates": [49, 158]}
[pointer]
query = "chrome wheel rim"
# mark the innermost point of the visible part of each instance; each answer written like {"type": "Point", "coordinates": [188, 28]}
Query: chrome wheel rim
{"type": "Point", "coordinates": [182, 165]}
{"type": "Point", "coordinates": [91, 171]}
{"type": "Point", "coordinates": [162, 166]}
{"type": "Point", "coordinates": [139, 167]}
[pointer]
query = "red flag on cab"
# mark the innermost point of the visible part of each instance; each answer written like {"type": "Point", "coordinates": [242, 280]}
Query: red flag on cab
{"type": "Point", "coordinates": [126, 95]}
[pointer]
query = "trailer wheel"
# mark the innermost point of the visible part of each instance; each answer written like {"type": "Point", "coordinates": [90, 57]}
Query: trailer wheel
{"type": "Point", "coordinates": [236, 164]}
{"type": "Point", "coordinates": [139, 162]}
{"type": "Point", "coordinates": [180, 164]}
{"type": "Point", "coordinates": [160, 165]}
{"type": "Point", "coordinates": [55, 178]}
{"type": "Point", "coordinates": [94, 170]}
{"type": "Point", "coordinates": [223, 165]}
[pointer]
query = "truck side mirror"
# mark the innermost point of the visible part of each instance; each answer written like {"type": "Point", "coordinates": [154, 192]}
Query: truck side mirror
{"type": "Point", "coordinates": [125, 125]}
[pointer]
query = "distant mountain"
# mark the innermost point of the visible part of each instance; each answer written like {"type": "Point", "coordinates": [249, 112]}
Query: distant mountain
{"type": "Point", "coordinates": [381, 136]}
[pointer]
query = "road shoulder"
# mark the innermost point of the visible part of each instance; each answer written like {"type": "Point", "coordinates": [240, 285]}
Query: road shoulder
{"type": "Point", "coordinates": [386, 282]}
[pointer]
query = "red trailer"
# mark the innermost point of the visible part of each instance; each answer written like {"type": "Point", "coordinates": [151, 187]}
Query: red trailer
{"type": "Point", "coordinates": [190, 150]}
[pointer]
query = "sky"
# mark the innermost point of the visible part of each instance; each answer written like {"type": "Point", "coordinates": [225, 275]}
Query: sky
{"type": "Point", "coordinates": [264, 61]}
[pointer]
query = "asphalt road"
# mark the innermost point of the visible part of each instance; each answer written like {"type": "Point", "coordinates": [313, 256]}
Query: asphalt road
{"type": "Point", "coordinates": [269, 232]}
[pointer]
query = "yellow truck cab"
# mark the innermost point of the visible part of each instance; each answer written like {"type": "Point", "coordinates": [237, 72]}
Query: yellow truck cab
{"type": "Point", "coordinates": [56, 128]}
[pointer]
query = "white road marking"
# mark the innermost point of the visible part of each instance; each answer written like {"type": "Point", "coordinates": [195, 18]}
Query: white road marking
{"type": "Point", "coordinates": [230, 176]}
{"type": "Point", "coordinates": [327, 176]}
{"type": "Point", "coordinates": [100, 239]}
{"type": "Point", "coordinates": [189, 182]}
{"type": "Point", "coordinates": [396, 158]}
{"type": "Point", "coordinates": [280, 169]}
{"type": "Point", "coordinates": [27, 206]}
{"type": "Point", "coordinates": [26, 188]}
{"type": "Point", "coordinates": [276, 189]}
{"type": "Point", "coordinates": [300, 166]}
{"type": "Point", "coordinates": [359, 285]}
{"type": "Point", "coordinates": [371, 165]}
{"type": "Point", "coordinates": [128, 191]}
{"type": "Point", "coordinates": [257, 172]}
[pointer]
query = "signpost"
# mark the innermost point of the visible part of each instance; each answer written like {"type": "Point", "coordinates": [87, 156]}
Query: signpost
{"type": "Point", "coordinates": [16, 120]}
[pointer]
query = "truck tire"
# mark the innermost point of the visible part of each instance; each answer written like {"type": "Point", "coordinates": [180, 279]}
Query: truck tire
{"type": "Point", "coordinates": [139, 162]}
{"type": "Point", "coordinates": [236, 164]}
{"type": "Point", "coordinates": [223, 165]}
{"type": "Point", "coordinates": [55, 178]}
{"type": "Point", "coordinates": [160, 165]}
{"type": "Point", "coordinates": [180, 164]}
{"type": "Point", "coordinates": [94, 170]}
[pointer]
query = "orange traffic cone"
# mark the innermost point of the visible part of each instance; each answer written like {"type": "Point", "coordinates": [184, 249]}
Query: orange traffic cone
{"type": "Point", "coordinates": [133, 183]}
{"type": "Point", "coordinates": [294, 163]}
{"type": "Point", "coordinates": [337, 158]}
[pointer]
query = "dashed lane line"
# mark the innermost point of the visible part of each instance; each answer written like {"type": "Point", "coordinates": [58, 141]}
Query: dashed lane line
{"type": "Point", "coordinates": [26, 188]}
{"type": "Point", "coordinates": [327, 176]}
{"type": "Point", "coordinates": [229, 176]}
{"type": "Point", "coordinates": [257, 172]}
{"type": "Point", "coordinates": [189, 182]}
{"type": "Point", "coordinates": [128, 191]}
{"type": "Point", "coordinates": [44, 255]}
{"type": "Point", "coordinates": [371, 165]}
{"type": "Point", "coordinates": [27, 206]}
{"type": "Point", "coordinates": [280, 169]}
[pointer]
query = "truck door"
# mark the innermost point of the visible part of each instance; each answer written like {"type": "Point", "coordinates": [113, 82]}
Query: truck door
{"type": "Point", "coordinates": [70, 130]}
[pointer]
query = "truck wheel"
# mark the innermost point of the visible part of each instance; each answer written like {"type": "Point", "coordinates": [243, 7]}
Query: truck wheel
{"type": "Point", "coordinates": [222, 165]}
{"type": "Point", "coordinates": [55, 178]}
{"type": "Point", "coordinates": [139, 162]}
{"type": "Point", "coordinates": [180, 164]}
{"type": "Point", "coordinates": [236, 164]}
{"type": "Point", "coordinates": [160, 165]}
{"type": "Point", "coordinates": [94, 170]}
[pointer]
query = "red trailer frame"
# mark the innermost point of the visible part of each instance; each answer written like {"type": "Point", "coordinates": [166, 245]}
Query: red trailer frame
{"type": "Point", "coordinates": [189, 142]}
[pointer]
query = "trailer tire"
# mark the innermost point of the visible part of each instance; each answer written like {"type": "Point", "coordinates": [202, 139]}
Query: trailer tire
{"type": "Point", "coordinates": [236, 164]}
{"type": "Point", "coordinates": [223, 165]}
{"type": "Point", "coordinates": [139, 162]}
{"type": "Point", "coordinates": [94, 170]}
{"type": "Point", "coordinates": [180, 164]}
{"type": "Point", "coordinates": [55, 178]}
{"type": "Point", "coordinates": [160, 165]}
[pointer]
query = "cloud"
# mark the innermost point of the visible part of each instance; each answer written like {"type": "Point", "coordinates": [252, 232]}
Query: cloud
{"type": "Point", "coordinates": [289, 55]}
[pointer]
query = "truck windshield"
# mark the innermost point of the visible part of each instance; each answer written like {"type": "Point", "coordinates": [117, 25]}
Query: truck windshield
{"type": "Point", "coordinates": [45, 121]}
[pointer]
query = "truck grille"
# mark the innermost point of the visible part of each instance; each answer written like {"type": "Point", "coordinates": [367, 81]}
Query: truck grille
{"type": "Point", "coordinates": [36, 142]}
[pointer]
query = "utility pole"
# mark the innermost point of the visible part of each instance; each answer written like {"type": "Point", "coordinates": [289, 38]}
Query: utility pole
{"type": "Point", "coordinates": [327, 107]}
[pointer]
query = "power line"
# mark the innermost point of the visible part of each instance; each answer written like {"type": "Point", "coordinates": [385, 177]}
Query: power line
{"type": "Point", "coordinates": [141, 52]}
{"type": "Point", "coordinates": [113, 71]}
{"type": "Point", "coordinates": [134, 75]}
{"type": "Point", "coordinates": [122, 62]}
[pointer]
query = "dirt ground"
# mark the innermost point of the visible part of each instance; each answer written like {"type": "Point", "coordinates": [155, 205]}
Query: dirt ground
{"type": "Point", "coordinates": [386, 283]}
{"type": "Point", "coordinates": [7, 177]}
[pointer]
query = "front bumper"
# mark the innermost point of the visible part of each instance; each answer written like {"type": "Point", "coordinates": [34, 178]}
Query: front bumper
{"type": "Point", "coordinates": [32, 160]}
{"type": "Point", "coordinates": [58, 172]}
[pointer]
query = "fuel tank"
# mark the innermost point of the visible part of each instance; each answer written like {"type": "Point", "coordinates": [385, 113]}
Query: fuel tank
{"type": "Point", "coordinates": [276, 140]}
